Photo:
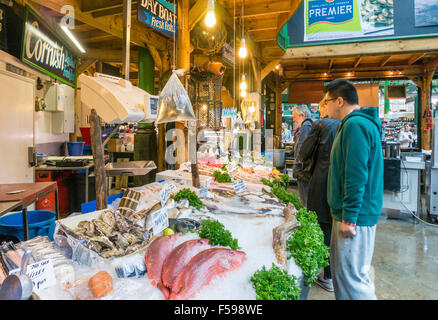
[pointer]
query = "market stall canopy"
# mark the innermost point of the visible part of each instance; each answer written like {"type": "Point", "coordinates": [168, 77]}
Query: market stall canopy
{"type": "Point", "coordinates": [116, 100]}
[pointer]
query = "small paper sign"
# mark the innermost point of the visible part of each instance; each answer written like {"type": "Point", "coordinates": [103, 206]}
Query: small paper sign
{"type": "Point", "coordinates": [165, 193]}
{"type": "Point", "coordinates": [160, 221]}
{"type": "Point", "coordinates": [239, 186]}
{"type": "Point", "coordinates": [203, 193]}
{"type": "Point", "coordinates": [42, 275]}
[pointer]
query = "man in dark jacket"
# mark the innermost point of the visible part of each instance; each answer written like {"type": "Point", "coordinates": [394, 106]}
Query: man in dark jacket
{"type": "Point", "coordinates": [355, 191]}
{"type": "Point", "coordinates": [316, 148]}
{"type": "Point", "coordinates": [303, 123]}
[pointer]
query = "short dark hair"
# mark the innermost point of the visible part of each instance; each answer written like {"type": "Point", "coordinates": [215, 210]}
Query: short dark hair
{"type": "Point", "coordinates": [343, 88]}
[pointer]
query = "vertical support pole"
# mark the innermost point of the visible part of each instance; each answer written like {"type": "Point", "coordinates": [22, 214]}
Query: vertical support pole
{"type": "Point", "coordinates": [425, 104]}
{"type": "Point", "coordinates": [126, 37]}
{"type": "Point", "coordinates": [99, 162]}
{"type": "Point", "coordinates": [278, 112]}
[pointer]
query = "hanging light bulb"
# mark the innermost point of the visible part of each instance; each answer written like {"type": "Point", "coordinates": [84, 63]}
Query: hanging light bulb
{"type": "Point", "coordinates": [243, 85]}
{"type": "Point", "coordinates": [210, 19]}
{"type": "Point", "coordinates": [204, 107]}
{"type": "Point", "coordinates": [243, 93]}
{"type": "Point", "coordinates": [242, 50]}
{"type": "Point", "coordinates": [252, 108]}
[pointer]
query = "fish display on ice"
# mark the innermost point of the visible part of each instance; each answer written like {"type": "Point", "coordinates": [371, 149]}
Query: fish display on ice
{"type": "Point", "coordinates": [180, 257]}
{"type": "Point", "coordinates": [202, 268]}
{"type": "Point", "coordinates": [155, 255]}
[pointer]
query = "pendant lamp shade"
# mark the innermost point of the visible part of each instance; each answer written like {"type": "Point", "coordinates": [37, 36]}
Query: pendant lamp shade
{"type": "Point", "coordinates": [174, 103]}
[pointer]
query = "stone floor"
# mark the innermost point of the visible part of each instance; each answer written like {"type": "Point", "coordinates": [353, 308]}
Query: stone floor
{"type": "Point", "coordinates": [405, 261]}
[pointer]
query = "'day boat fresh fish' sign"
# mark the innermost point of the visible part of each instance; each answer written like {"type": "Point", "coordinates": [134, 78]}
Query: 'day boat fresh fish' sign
{"type": "Point", "coordinates": [43, 51]}
{"type": "Point", "coordinates": [160, 15]}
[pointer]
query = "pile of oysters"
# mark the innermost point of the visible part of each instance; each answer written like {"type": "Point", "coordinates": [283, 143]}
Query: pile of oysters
{"type": "Point", "coordinates": [112, 235]}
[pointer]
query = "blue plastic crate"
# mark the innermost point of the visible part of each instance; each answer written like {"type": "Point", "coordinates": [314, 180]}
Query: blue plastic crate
{"type": "Point", "coordinates": [91, 205]}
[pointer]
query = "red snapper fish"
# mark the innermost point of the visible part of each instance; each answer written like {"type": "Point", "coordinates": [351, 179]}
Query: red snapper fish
{"type": "Point", "coordinates": [202, 268]}
{"type": "Point", "coordinates": [155, 255]}
{"type": "Point", "coordinates": [180, 257]}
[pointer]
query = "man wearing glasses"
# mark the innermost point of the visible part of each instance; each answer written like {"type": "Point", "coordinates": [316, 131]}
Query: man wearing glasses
{"type": "Point", "coordinates": [355, 191]}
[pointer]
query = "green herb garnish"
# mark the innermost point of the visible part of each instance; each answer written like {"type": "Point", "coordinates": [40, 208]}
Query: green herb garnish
{"type": "Point", "coordinates": [275, 284]}
{"type": "Point", "coordinates": [221, 177]}
{"type": "Point", "coordinates": [217, 234]}
{"type": "Point", "coordinates": [286, 197]}
{"type": "Point", "coordinates": [307, 246]}
{"type": "Point", "coordinates": [188, 194]}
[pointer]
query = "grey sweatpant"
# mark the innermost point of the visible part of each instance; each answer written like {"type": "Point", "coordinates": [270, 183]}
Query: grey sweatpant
{"type": "Point", "coordinates": [350, 262]}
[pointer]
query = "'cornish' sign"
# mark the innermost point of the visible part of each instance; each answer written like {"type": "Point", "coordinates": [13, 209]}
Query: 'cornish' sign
{"type": "Point", "coordinates": [43, 51]}
{"type": "Point", "coordinates": [160, 15]}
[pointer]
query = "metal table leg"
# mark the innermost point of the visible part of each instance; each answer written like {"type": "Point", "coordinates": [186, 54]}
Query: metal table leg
{"type": "Point", "coordinates": [57, 203]}
{"type": "Point", "coordinates": [25, 225]}
{"type": "Point", "coordinates": [86, 185]}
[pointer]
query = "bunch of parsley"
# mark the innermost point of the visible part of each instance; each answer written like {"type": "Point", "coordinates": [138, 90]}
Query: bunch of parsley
{"type": "Point", "coordinates": [306, 246]}
{"type": "Point", "coordinates": [217, 234]}
{"type": "Point", "coordinates": [275, 284]}
{"type": "Point", "coordinates": [188, 194]}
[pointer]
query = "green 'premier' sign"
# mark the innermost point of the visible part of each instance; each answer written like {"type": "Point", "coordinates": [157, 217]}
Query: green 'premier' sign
{"type": "Point", "coordinates": [42, 50]}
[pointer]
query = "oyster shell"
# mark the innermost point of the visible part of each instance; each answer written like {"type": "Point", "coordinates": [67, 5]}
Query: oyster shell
{"type": "Point", "coordinates": [109, 218]}
{"type": "Point", "coordinates": [102, 228]}
{"type": "Point", "coordinates": [103, 242]}
{"type": "Point", "coordinates": [112, 253]}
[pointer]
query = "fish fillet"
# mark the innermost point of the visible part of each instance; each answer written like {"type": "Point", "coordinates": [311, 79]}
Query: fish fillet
{"type": "Point", "coordinates": [155, 255]}
{"type": "Point", "coordinates": [202, 268]}
{"type": "Point", "coordinates": [180, 257]}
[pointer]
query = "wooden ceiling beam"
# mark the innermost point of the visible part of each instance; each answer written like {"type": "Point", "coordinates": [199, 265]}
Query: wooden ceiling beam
{"type": "Point", "coordinates": [140, 33]}
{"type": "Point", "coordinates": [356, 62]}
{"type": "Point", "coordinates": [261, 25]}
{"type": "Point", "coordinates": [415, 58]}
{"type": "Point", "coordinates": [268, 68]}
{"type": "Point", "coordinates": [196, 13]}
{"type": "Point", "coordinates": [263, 9]}
{"type": "Point", "coordinates": [383, 47]}
{"type": "Point", "coordinates": [385, 60]}
{"type": "Point", "coordinates": [88, 6]}
{"type": "Point", "coordinates": [417, 69]}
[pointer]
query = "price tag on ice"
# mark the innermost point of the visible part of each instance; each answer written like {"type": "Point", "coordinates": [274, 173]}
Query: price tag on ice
{"type": "Point", "coordinates": [203, 193]}
{"type": "Point", "coordinates": [42, 275]}
{"type": "Point", "coordinates": [165, 193]}
{"type": "Point", "coordinates": [160, 221]}
{"type": "Point", "coordinates": [239, 186]}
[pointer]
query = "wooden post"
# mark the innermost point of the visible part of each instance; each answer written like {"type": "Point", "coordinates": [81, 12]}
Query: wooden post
{"type": "Point", "coordinates": [425, 104]}
{"type": "Point", "coordinates": [99, 162]}
{"type": "Point", "coordinates": [278, 111]}
{"type": "Point", "coordinates": [161, 147]}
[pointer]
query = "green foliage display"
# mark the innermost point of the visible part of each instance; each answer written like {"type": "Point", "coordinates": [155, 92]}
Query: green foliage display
{"type": "Point", "coordinates": [306, 246]}
{"type": "Point", "coordinates": [221, 177]}
{"type": "Point", "coordinates": [275, 284]}
{"type": "Point", "coordinates": [190, 195]}
{"type": "Point", "coordinates": [286, 197]}
{"type": "Point", "coordinates": [217, 234]}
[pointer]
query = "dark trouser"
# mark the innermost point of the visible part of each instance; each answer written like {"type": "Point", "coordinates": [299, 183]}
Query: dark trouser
{"type": "Point", "coordinates": [303, 188]}
{"type": "Point", "coordinates": [326, 228]}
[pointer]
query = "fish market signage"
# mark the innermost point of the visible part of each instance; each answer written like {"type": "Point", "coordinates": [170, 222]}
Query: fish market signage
{"type": "Point", "coordinates": [160, 15]}
{"type": "Point", "coordinates": [338, 19]}
{"type": "Point", "coordinates": [43, 51]}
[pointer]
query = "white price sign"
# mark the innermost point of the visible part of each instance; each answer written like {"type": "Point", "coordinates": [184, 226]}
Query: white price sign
{"type": "Point", "coordinates": [165, 193]}
{"type": "Point", "coordinates": [203, 193]}
{"type": "Point", "coordinates": [160, 221]}
{"type": "Point", "coordinates": [42, 275]}
{"type": "Point", "coordinates": [239, 186]}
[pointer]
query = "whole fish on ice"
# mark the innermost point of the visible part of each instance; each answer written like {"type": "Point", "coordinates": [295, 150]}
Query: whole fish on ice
{"type": "Point", "coordinates": [202, 268]}
{"type": "Point", "coordinates": [155, 255]}
{"type": "Point", "coordinates": [180, 257]}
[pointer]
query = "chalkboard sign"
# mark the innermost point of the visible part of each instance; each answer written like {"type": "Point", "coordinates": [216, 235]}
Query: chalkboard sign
{"type": "Point", "coordinates": [396, 92]}
{"type": "Point", "coordinates": [343, 21]}
{"type": "Point", "coordinates": [2, 27]}
{"type": "Point", "coordinates": [43, 50]}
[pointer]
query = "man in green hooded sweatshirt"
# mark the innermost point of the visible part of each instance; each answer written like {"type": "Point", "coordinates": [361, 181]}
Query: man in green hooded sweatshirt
{"type": "Point", "coordinates": [355, 191]}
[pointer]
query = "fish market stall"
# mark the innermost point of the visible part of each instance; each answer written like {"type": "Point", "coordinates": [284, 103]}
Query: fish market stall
{"type": "Point", "coordinates": [118, 253]}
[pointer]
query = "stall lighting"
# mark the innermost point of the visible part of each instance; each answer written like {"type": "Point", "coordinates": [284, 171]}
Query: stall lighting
{"type": "Point", "coordinates": [204, 107]}
{"type": "Point", "coordinates": [252, 108]}
{"type": "Point", "coordinates": [243, 85]}
{"type": "Point", "coordinates": [243, 93]}
{"type": "Point", "coordinates": [210, 19]}
{"type": "Point", "coordinates": [72, 38]}
{"type": "Point", "coordinates": [277, 66]}
{"type": "Point", "coordinates": [242, 51]}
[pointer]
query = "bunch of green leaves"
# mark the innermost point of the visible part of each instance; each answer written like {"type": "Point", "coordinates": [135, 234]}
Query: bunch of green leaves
{"type": "Point", "coordinates": [275, 284]}
{"type": "Point", "coordinates": [190, 195]}
{"type": "Point", "coordinates": [306, 246]}
{"type": "Point", "coordinates": [283, 182]}
{"type": "Point", "coordinates": [224, 167]}
{"type": "Point", "coordinates": [286, 197]}
{"type": "Point", "coordinates": [221, 177]}
{"type": "Point", "coordinates": [217, 234]}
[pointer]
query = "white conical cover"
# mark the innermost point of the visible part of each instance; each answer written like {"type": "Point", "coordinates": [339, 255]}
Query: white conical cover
{"type": "Point", "coordinates": [174, 102]}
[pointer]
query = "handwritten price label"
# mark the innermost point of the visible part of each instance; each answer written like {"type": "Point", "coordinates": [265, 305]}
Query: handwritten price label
{"type": "Point", "coordinates": [165, 193]}
{"type": "Point", "coordinates": [203, 193]}
{"type": "Point", "coordinates": [42, 275]}
{"type": "Point", "coordinates": [239, 186]}
{"type": "Point", "coordinates": [160, 221]}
